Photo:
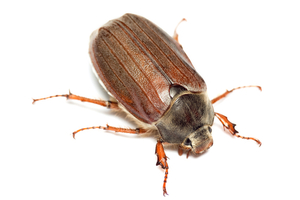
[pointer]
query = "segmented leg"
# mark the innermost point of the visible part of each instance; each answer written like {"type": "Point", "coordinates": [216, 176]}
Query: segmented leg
{"type": "Point", "coordinates": [231, 127]}
{"type": "Point", "coordinates": [175, 36]}
{"type": "Point", "coordinates": [111, 128]}
{"type": "Point", "coordinates": [228, 92]}
{"type": "Point", "coordinates": [108, 104]}
{"type": "Point", "coordinates": [162, 161]}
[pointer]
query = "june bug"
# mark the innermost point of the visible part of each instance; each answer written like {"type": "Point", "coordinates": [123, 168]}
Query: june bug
{"type": "Point", "coordinates": [151, 78]}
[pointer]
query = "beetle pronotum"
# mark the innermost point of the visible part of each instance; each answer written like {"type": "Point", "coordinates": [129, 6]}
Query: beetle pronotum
{"type": "Point", "coordinates": [151, 79]}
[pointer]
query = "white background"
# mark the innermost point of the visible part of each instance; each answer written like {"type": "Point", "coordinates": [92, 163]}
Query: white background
{"type": "Point", "coordinates": [231, 43]}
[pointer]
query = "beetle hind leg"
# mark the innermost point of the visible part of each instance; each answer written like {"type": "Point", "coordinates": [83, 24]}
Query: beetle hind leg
{"type": "Point", "coordinates": [231, 128]}
{"type": "Point", "coordinates": [162, 161]}
{"type": "Point", "coordinates": [175, 36]}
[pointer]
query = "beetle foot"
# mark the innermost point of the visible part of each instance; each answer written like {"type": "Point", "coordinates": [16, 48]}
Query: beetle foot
{"type": "Point", "coordinates": [249, 138]}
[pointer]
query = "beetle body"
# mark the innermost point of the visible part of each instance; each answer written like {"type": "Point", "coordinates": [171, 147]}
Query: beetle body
{"type": "Point", "coordinates": [149, 74]}
{"type": "Point", "coordinates": [151, 78]}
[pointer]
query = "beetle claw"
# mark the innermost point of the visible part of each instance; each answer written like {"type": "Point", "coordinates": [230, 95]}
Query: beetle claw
{"type": "Point", "coordinates": [165, 192]}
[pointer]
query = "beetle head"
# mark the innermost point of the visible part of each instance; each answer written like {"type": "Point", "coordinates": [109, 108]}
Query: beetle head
{"type": "Point", "coordinates": [199, 140]}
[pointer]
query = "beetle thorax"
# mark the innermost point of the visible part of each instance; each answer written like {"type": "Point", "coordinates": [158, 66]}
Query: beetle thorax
{"type": "Point", "coordinates": [188, 119]}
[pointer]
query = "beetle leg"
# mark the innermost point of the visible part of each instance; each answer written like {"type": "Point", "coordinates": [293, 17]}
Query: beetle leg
{"type": "Point", "coordinates": [162, 161]}
{"type": "Point", "coordinates": [231, 128]}
{"type": "Point", "coordinates": [228, 92]}
{"type": "Point", "coordinates": [108, 104]}
{"type": "Point", "coordinates": [116, 129]}
{"type": "Point", "coordinates": [175, 36]}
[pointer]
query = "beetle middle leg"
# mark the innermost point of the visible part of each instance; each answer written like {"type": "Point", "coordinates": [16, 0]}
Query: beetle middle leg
{"type": "Point", "coordinates": [228, 92]}
{"type": "Point", "coordinates": [108, 104]}
{"type": "Point", "coordinates": [112, 128]}
{"type": "Point", "coordinates": [162, 161]}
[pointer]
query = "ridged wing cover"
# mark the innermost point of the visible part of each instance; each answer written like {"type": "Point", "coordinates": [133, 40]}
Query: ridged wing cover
{"type": "Point", "coordinates": [138, 63]}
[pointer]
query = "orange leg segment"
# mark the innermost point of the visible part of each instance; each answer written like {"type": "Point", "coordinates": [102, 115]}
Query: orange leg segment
{"type": "Point", "coordinates": [108, 104]}
{"type": "Point", "coordinates": [175, 36]}
{"type": "Point", "coordinates": [162, 161]}
{"type": "Point", "coordinates": [111, 128]}
{"type": "Point", "coordinates": [228, 92]}
{"type": "Point", "coordinates": [231, 128]}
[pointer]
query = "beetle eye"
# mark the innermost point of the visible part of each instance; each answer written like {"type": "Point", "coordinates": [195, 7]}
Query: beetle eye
{"type": "Point", "coordinates": [188, 142]}
{"type": "Point", "coordinates": [209, 129]}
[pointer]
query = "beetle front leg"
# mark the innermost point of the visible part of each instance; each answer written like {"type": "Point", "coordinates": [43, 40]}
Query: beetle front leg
{"type": "Point", "coordinates": [231, 128]}
{"type": "Point", "coordinates": [162, 161]}
{"type": "Point", "coordinates": [228, 92]}
{"type": "Point", "coordinates": [108, 104]}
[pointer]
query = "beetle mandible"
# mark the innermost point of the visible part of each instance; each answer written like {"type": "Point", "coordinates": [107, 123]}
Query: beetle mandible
{"type": "Point", "coordinates": [152, 79]}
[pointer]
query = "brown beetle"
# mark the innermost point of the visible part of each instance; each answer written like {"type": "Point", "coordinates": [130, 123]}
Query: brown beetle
{"type": "Point", "coordinates": [151, 79]}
